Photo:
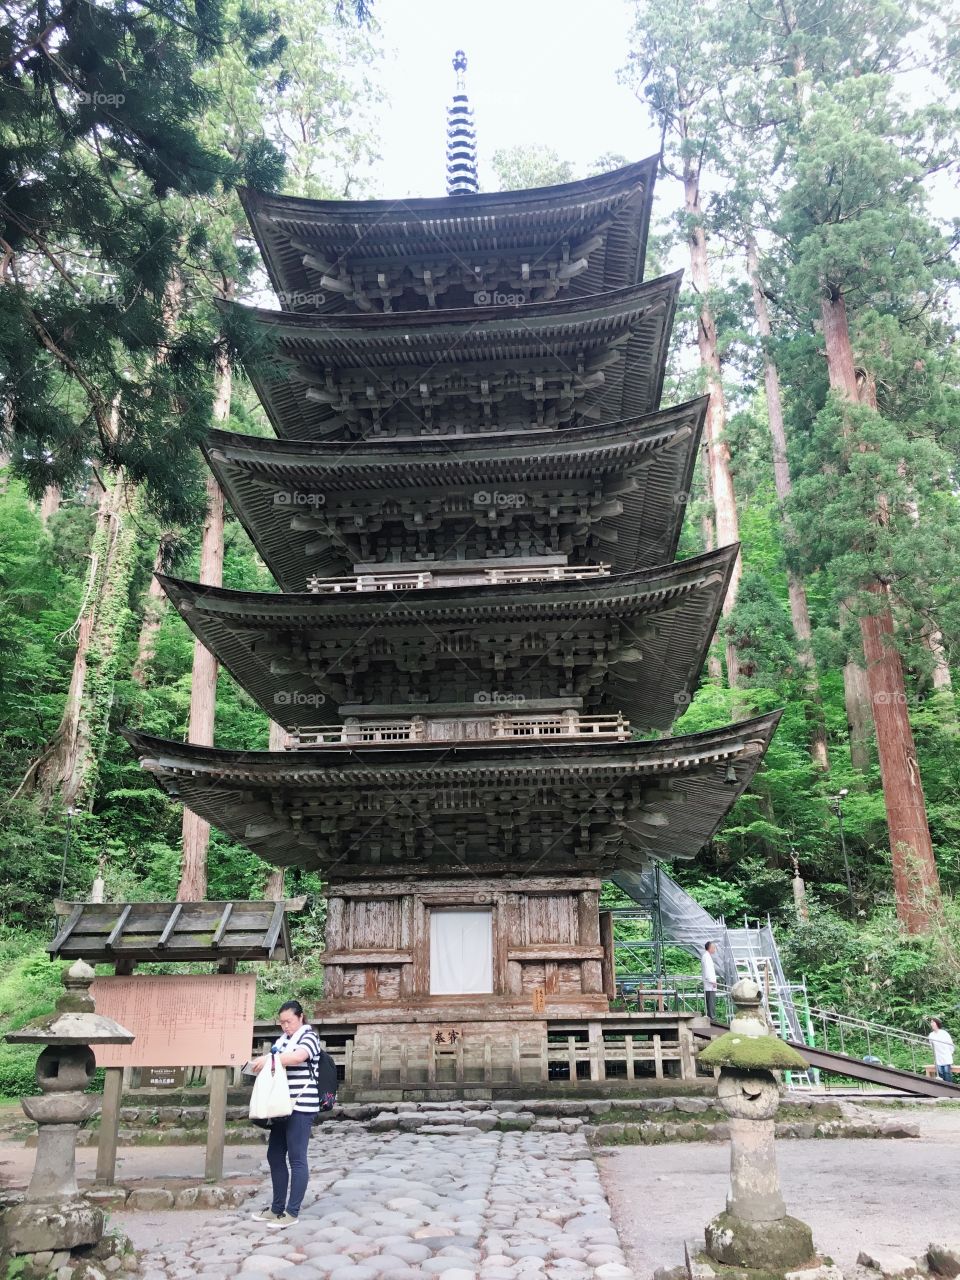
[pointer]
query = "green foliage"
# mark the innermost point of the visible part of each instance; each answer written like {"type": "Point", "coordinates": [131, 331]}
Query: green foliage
{"type": "Point", "coordinates": [870, 968]}
{"type": "Point", "coordinates": [28, 984]}
{"type": "Point", "coordinates": [100, 146]}
{"type": "Point", "coordinates": [518, 168]}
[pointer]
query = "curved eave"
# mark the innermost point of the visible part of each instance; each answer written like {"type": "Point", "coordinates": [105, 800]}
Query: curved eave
{"type": "Point", "coordinates": [299, 348]}
{"type": "Point", "coordinates": [682, 602]}
{"type": "Point", "coordinates": [659, 449]}
{"type": "Point", "coordinates": [249, 794]}
{"type": "Point", "coordinates": [394, 230]}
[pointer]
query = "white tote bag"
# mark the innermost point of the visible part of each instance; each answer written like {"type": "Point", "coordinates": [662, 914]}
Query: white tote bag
{"type": "Point", "coordinates": [271, 1092]}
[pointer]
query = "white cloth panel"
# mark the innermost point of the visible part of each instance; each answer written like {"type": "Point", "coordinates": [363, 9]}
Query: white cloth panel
{"type": "Point", "coordinates": [461, 952]}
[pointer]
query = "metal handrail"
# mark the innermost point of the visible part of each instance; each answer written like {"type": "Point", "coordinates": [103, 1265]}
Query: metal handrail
{"type": "Point", "coordinates": [851, 1033]}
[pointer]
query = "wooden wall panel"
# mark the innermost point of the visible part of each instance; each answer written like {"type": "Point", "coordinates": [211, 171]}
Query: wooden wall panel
{"type": "Point", "coordinates": [388, 981]}
{"type": "Point", "coordinates": [569, 978]}
{"type": "Point", "coordinates": [375, 923]}
{"type": "Point", "coordinates": [531, 976]}
{"type": "Point", "coordinates": [354, 984]}
{"type": "Point", "coordinates": [550, 917]}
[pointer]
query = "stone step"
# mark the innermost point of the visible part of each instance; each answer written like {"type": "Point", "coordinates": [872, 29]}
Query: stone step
{"type": "Point", "coordinates": [630, 1120]}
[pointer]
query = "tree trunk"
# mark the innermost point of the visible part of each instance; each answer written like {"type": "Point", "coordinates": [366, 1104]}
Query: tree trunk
{"type": "Point", "coordinates": [203, 689]}
{"type": "Point", "coordinates": [708, 535]}
{"type": "Point", "coordinates": [155, 602]}
{"type": "Point", "coordinates": [274, 888]}
{"type": "Point", "coordinates": [856, 697]}
{"type": "Point", "coordinates": [718, 451]}
{"type": "Point", "coordinates": [50, 503]}
{"type": "Point", "coordinates": [796, 590]}
{"type": "Point", "coordinates": [915, 879]}
{"type": "Point", "coordinates": [932, 638]}
{"type": "Point", "coordinates": [152, 614]}
{"type": "Point", "coordinates": [70, 763]}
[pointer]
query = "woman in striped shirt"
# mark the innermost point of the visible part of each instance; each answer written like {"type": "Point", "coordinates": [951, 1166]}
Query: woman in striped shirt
{"type": "Point", "coordinates": [297, 1048]}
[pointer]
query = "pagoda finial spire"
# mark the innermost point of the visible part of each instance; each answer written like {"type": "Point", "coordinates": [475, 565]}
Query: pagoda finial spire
{"type": "Point", "coordinates": [461, 137]}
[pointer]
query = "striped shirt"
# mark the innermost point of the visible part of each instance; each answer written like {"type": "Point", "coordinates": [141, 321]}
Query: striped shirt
{"type": "Point", "coordinates": [303, 1086]}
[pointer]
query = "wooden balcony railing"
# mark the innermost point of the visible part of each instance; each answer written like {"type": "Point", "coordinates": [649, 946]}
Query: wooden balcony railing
{"type": "Point", "coordinates": [612, 728]}
{"type": "Point", "coordinates": [409, 581]}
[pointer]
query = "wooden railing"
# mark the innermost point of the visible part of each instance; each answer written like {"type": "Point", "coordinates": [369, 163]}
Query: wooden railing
{"type": "Point", "coordinates": [409, 581]}
{"type": "Point", "coordinates": [421, 729]}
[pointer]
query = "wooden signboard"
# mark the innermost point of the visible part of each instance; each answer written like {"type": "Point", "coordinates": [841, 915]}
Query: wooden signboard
{"type": "Point", "coordinates": [178, 1020]}
{"type": "Point", "coordinates": [163, 1077]}
{"type": "Point", "coordinates": [539, 999]}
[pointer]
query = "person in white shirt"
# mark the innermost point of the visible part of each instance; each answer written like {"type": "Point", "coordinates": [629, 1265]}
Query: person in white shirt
{"type": "Point", "coordinates": [709, 972]}
{"type": "Point", "coordinates": [941, 1041]}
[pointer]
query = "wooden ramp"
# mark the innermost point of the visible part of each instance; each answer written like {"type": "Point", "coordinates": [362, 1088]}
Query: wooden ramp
{"type": "Point", "coordinates": [841, 1065]}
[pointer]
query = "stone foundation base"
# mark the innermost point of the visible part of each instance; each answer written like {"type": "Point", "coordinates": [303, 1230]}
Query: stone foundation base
{"type": "Point", "coordinates": [699, 1266]}
{"type": "Point", "coordinates": [780, 1246]}
{"type": "Point", "coordinates": [111, 1258]}
{"type": "Point", "coordinates": [33, 1228]}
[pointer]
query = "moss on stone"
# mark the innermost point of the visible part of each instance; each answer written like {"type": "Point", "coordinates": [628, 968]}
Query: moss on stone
{"type": "Point", "coordinates": [784, 1245]}
{"type": "Point", "coordinates": [752, 1053]}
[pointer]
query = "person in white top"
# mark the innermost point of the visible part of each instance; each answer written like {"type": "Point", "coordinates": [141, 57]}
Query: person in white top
{"type": "Point", "coordinates": [709, 972]}
{"type": "Point", "coordinates": [941, 1041]}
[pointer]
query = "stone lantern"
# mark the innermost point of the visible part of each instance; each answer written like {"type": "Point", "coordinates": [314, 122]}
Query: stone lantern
{"type": "Point", "coordinates": [53, 1215]}
{"type": "Point", "coordinates": [755, 1230]}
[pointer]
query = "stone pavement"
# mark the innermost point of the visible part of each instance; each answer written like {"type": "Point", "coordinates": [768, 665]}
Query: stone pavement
{"type": "Point", "coordinates": [393, 1206]}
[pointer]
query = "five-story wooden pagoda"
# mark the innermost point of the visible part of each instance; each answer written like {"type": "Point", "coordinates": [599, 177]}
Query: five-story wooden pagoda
{"type": "Point", "coordinates": [472, 509]}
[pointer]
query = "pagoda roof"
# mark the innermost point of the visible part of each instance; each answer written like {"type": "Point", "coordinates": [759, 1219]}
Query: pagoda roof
{"type": "Point", "coordinates": [496, 368]}
{"type": "Point", "coordinates": [525, 807]}
{"type": "Point", "coordinates": [631, 643]}
{"type": "Point", "coordinates": [613, 492]}
{"type": "Point", "coordinates": [341, 255]}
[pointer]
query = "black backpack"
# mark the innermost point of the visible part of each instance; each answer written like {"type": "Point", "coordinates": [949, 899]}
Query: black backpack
{"type": "Point", "coordinates": [323, 1069]}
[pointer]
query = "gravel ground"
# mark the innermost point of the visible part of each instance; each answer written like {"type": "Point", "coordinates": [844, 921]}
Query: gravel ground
{"type": "Point", "coordinates": [853, 1192]}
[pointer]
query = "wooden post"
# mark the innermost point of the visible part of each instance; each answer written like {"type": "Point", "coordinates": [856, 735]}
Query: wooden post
{"type": "Point", "coordinates": [598, 1066]}
{"type": "Point", "coordinates": [607, 967]}
{"type": "Point", "coordinates": [657, 1057]}
{"type": "Point", "coordinates": [216, 1124]}
{"type": "Point", "coordinates": [109, 1126]}
{"type": "Point", "coordinates": [688, 1059]}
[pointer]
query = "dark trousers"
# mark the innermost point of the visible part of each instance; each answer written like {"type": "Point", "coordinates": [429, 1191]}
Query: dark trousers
{"type": "Point", "coordinates": [945, 1073]}
{"type": "Point", "coordinates": [288, 1141]}
{"type": "Point", "coordinates": [711, 999]}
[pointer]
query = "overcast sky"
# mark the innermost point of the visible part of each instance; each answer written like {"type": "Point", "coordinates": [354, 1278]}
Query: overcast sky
{"type": "Point", "coordinates": [540, 71]}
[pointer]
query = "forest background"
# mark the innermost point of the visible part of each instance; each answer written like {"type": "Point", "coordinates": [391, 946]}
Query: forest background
{"type": "Point", "coordinates": [807, 152]}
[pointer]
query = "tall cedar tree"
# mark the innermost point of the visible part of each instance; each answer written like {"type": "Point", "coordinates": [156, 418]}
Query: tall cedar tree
{"type": "Point", "coordinates": [100, 109]}
{"type": "Point", "coordinates": [672, 69]}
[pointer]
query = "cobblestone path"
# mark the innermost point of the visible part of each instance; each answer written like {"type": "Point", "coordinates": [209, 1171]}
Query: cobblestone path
{"type": "Point", "coordinates": [392, 1206]}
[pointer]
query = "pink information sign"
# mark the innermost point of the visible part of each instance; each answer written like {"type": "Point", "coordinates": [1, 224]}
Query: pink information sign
{"type": "Point", "coordinates": [204, 1020]}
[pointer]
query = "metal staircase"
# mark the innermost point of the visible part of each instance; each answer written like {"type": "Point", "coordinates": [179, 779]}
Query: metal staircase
{"type": "Point", "coordinates": [750, 951]}
{"type": "Point", "coordinates": [747, 952]}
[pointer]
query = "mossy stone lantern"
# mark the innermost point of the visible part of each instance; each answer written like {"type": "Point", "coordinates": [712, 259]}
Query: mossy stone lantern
{"type": "Point", "coordinates": [53, 1214]}
{"type": "Point", "coordinates": [755, 1230]}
